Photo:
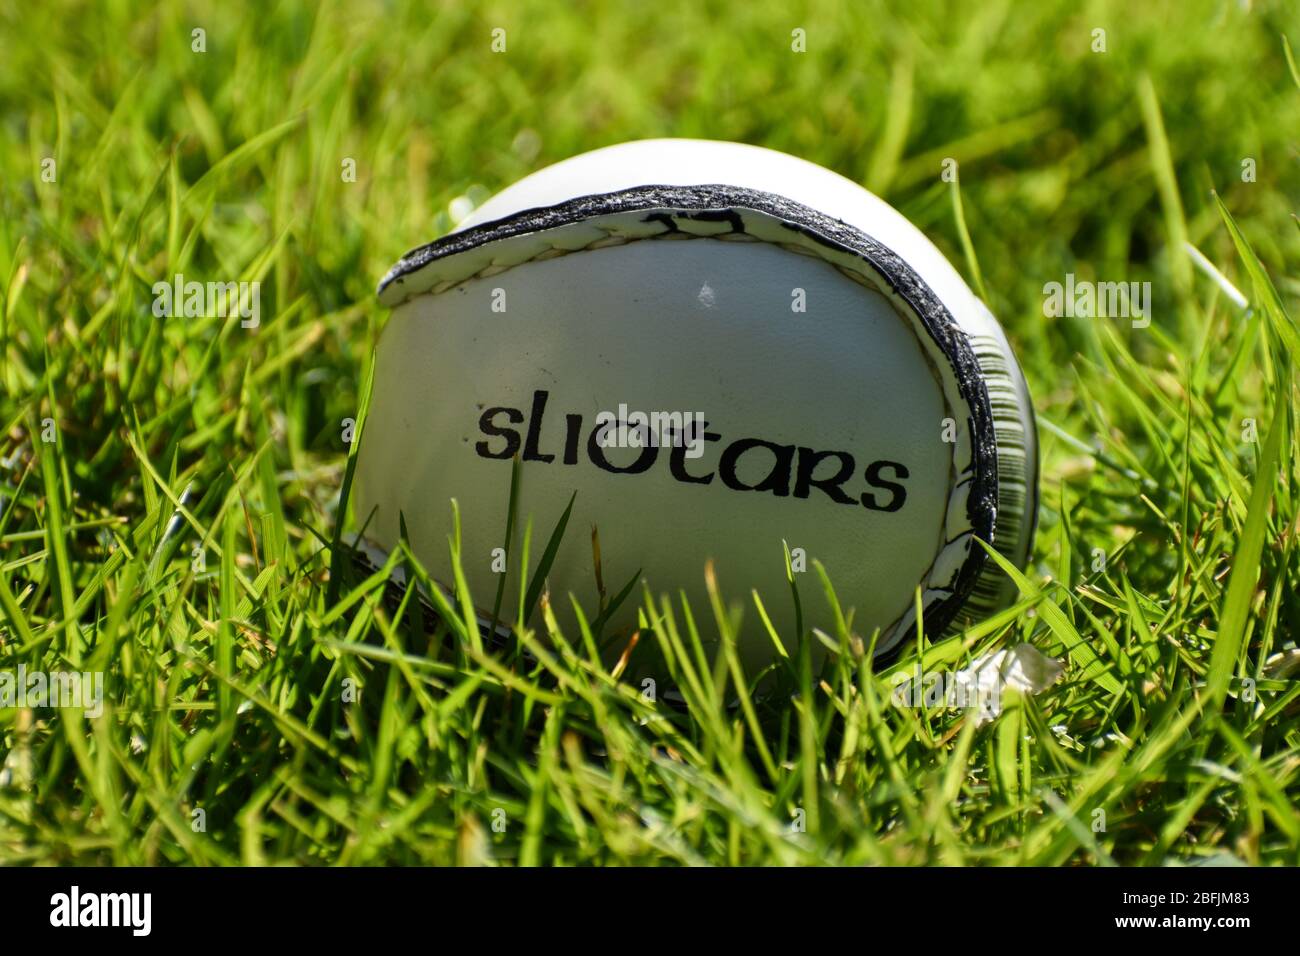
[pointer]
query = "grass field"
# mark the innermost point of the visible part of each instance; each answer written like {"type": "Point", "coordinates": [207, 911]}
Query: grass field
{"type": "Point", "coordinates": [170, 488]}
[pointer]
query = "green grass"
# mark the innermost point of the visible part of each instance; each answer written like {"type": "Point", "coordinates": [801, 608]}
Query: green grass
{"type": "Point", "coordinates": [312, 722]}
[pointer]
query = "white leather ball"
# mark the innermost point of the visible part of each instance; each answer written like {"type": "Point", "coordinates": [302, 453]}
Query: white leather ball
{"type": "Point", "coordinates": [861, 404]}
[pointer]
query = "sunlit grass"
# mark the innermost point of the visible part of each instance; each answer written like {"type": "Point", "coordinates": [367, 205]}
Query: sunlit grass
{"type": "Point", "coordinates": [179, 530]}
